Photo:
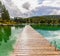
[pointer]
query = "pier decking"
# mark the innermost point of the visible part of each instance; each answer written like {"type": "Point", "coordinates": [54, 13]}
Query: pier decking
{"type": "Point", "coordinates": [31, 43]}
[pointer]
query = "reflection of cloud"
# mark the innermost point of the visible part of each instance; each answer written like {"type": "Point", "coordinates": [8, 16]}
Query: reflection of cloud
{"type": "Point", "coordinates": [53, 35]}
{"type": "Point", "coordinates": [50, 35]}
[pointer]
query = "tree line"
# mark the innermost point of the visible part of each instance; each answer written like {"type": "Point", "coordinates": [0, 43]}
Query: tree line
{"type": "Point", "coordinates": [4, 13]}
{"type": "Point", "coordinates": [50, 20]}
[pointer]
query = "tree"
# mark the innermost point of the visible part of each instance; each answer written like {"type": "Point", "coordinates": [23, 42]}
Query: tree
{"type": "Point", "coordinates": [0, 8]}
{"type": "Point", "coordinates": [5, 14]}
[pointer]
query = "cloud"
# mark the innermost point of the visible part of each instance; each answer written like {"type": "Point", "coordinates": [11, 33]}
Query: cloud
{"type": "Point", "coordinates": [13, 10]}
{"type": "Point", "coordinates": [32, 5]}
{"type": "Point", "coordinates": [26, 5]}
{"type": "Point", "coordinates": [51, 3]}
{"type": "Point", "coordinates": [46, 10]}
{"type": "Point", "coordinates": [26, 8]}
{"type": "Point", "coordinates": [55, 12]}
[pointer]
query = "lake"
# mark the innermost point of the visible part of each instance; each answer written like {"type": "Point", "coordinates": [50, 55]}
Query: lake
{"type": "Point", "coordinates": [8, 35]}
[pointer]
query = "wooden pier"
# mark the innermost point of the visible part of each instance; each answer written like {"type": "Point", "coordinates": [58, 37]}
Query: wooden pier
{"type": "Point", "coordinates": [31, 43]}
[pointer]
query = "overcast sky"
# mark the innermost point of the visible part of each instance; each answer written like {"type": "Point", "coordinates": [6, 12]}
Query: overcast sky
{"type": "Point", "coordinates": [25, 8]}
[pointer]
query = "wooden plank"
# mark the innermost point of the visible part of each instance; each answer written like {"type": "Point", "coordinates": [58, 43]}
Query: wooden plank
{"type": "Point", "coordinates": [31, 43]}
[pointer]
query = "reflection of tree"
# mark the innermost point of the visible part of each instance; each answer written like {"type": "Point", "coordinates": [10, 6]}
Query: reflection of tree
{"type": "Point", "coordinates": [54, 43]}
{"type": "Point", "coordinates": [5, 32]}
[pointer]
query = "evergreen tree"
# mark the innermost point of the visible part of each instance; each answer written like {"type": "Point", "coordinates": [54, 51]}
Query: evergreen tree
{"type": "Point", "coordinates": [5, 14]}
{"type": "Point", "coordinates": [0, 8]}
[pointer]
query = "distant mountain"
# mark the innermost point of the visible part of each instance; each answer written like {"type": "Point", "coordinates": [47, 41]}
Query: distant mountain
{"type": "Point", "coordinates": [47, 16]}
{"type": "Point", "coordinates": [53, 16]}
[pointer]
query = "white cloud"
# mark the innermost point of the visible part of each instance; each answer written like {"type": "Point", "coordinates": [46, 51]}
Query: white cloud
{"type": "Point", "coordinates": [23, 7]}
{"type": "Point", "coordinates": [51, 3]}
{"type": "Point", "coordinates": [19, 4]}
{"type": "Point", "coordinates": [55, 12]}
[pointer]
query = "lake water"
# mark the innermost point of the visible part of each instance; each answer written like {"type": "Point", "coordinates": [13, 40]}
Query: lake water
{"type": "Point", "coordinates": [8, 36]}
{"type": "Point", "coordinates": [51, 33]}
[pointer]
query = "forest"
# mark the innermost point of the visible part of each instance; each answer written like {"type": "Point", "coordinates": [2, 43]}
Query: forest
{"type": "Point", "coordinates": [49, 19]}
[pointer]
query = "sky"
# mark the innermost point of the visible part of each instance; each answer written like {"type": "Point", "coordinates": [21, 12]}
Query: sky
{"type": "Point", "coordinates": [28, 8]}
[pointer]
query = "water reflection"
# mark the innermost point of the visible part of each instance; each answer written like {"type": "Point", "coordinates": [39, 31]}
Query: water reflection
{"type": "Point", "coordinates": [5, 32]}
{"type": "Point", "coordinates": [46, 27]}
{"type": "Point", "coordinates": [51, 33]}
{"type": "Point", "coordinates": [8, 35]}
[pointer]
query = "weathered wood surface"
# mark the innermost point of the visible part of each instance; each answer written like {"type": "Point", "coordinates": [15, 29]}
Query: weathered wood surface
{"type": "Point", "coordinates": [31, 43]}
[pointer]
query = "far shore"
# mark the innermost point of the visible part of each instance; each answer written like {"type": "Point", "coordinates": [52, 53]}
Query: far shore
{"type": "Point", "coordinates": [28, 24]}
